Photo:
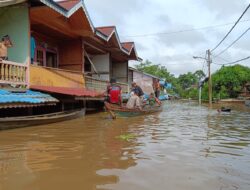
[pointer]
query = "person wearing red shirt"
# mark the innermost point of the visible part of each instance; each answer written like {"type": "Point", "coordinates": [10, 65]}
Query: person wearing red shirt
{"type": "Point", "coordinates": [114, 92]}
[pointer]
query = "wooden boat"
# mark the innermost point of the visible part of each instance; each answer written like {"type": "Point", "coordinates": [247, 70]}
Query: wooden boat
{"type": "Point", "coordinates": [122, 111]}
{"type": "Point", "coordinates": [18, 122]}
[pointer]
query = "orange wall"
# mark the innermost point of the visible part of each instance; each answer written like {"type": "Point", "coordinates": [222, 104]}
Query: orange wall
{"type": "Point", "coordinates": [71, 55]}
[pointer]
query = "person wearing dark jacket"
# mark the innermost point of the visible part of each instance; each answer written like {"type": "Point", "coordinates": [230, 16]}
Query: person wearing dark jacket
{"type": "Point", "coordinates": [137, 90]}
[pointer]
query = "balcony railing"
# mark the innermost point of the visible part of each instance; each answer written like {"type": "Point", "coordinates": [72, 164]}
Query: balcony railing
{"type": "Point", "coordinates": [47, 76]}
{"type": "Point", "coordinates": [101, 85]}
{"type": "Point", "coordinates": [13, 73]}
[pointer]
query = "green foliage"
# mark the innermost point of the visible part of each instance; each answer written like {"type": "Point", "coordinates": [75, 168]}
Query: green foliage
{"type": "Point", "coordinates": [126, 137]}
{"type": "Point", "coordinates": [184, 85]}
{"type": "Point", "coordinates": [157, 70]}
{"type": "Point", "coordinates": [227, 82]}
{"type": "Point", "coordinates": [187, 80]}
{"type": "Point", "coordinates": [199, 74]}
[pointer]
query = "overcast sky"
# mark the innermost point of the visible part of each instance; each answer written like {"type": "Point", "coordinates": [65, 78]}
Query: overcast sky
{"type": "Point", "coordinates": [144, 21]}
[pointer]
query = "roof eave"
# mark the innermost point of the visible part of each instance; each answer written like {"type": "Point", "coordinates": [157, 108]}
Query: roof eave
{"type": "Point", "coordinates": [76, 8]}
{"type": "Point", "coordinates": [53, 5]}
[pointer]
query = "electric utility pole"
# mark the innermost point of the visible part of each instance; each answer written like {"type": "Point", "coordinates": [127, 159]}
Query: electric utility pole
{"type": "Point", "coordinates": [209, 61]}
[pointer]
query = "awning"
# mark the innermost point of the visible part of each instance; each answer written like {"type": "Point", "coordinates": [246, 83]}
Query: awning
{"type": "Point", "coordinates": [27, 98]}
{"type": "Point", "coordinates": [79, 92]}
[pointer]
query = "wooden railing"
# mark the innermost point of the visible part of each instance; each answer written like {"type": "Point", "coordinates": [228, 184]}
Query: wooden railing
{"type": "Point", "coordinates": [101, 85]}
{"type": "Point", "coordinates": [95, 84]}
{"type": "Point", "coordinates": [13, 73]}
{"type": "Point", "coordinates": [47, 76]}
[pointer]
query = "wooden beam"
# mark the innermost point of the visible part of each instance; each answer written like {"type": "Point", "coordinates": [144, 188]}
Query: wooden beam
{"type": "Point", "coordinates": [92, 64]}
{"type": "Point", "coordinates": [51, 25]}
{"type": "Point", "coordinates": [94, 47]}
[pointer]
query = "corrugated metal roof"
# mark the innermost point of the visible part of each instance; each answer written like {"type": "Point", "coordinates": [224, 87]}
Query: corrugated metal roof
{"type": "Point", "coordinates": [80, 92]}
{"type": "Point", "coordinates": [28, 96]}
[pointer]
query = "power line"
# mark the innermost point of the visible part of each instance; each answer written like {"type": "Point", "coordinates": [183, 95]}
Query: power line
{"type": "Point", "coordinates": [231, 63]}
{"type": "Point", "coordinates": [233, 42]}
{"type": "Point", "coordinates": [231, 29]}
{"type": "Point", "coordinates": [181, 31]}
{"type": "Point", "coordinates": [221, 58]}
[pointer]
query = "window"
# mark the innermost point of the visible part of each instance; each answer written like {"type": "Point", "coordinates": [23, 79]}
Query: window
{"type": "Point", "coordinates": [46, 57]}
{"type": "Point", "coordinates": [40, 57]}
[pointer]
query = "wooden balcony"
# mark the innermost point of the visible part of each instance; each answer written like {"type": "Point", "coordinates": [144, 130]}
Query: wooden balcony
{"type": "Point", "coordinates": [13, 73]}
{"type": "Point", "coordinates": [54, 77]}
{"type": "Point", "coordinates": [101, 85]}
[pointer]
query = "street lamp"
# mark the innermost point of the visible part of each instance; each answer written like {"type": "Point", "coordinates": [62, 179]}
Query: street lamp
{"type": "Point", "coordinates": [209, 61]}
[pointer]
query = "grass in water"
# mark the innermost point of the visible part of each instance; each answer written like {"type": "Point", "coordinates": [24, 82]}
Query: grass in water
{"type": "Point", "coordinates": [126, 137]}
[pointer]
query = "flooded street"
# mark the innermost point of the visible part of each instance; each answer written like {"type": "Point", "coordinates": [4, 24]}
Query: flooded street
{"type": "Point", "coordinates": [184, 147]}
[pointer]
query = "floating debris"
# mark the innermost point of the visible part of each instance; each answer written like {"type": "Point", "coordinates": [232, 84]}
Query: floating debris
{"type": "Point", "coordinates": [126, 137]}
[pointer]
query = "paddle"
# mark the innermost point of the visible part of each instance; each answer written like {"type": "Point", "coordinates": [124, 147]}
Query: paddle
{"type": "Point", "coordinates": [112, 114]}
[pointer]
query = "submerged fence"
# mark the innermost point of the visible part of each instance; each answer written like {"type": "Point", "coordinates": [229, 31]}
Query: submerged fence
{"type": "Point", "coordinates": [101, 85]}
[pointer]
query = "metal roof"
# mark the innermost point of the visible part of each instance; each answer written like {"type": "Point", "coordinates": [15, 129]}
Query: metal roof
{"type": "Point", "coordinates": [29, 96]}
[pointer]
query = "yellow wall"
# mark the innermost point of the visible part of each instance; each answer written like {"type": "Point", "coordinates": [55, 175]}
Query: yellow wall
{"type": "Point", "coordinates": [55, 77]}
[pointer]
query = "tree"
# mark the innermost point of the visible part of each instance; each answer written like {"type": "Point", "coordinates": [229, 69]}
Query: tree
{"type": "Point", "coordinates": [153, 69]}
{"type": "Point", "coordinates": [227, 82]}
{"type": "Point", "coordinates": [199, 74]}
{"type": "Point", "coordinates": [230, 80]}
{"type": "Point", "coordinates": [187, 80]}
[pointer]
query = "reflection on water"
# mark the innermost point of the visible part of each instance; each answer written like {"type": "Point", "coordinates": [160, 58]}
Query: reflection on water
{"type": "Point", "coordinates": [184, 147]}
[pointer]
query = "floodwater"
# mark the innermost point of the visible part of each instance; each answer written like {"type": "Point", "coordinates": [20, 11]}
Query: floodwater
{"type": "Point", "coordinates": [184, 147]}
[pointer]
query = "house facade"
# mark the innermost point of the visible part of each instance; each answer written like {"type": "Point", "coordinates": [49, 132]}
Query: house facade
{"type": "Point", "coordinates": [57, 50]}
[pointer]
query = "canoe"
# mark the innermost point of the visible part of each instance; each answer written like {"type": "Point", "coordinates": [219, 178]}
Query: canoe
{"type": "Point", "coordinates": [122, 111]}
{"type": "Point", "coordinates": [18, 122]}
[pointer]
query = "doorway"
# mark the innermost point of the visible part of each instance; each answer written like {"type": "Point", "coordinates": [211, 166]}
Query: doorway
{"type": "Point", "coordinates": [51, 59]}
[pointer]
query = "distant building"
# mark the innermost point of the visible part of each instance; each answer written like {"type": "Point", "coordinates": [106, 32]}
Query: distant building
{"type": "Point", "coordinates": [144, 80]}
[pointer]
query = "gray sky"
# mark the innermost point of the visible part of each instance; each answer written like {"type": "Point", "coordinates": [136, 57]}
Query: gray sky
{"type": "Point", "coordinates": [137, 18]}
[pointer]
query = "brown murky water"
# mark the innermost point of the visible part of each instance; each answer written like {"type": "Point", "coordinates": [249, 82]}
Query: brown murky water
{"type": "Point", "coordinates": [184, 147]}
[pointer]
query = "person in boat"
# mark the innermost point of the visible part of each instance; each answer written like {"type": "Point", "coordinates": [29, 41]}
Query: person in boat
{"type": "Point", "coordinates": [137, 90]}
{"type": "Point", "coordinates": [134, 101]}
{"type": "Point", "coordinates": [4, 45]}
{"type": "Point", "coordinates": [114, 92]}
{"type": "Point", "coordinates": [157, 88]}
{"type": "Point", "coordinates": [152, 100]}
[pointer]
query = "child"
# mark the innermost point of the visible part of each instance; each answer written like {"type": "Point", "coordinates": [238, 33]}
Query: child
{"type": "Point", "coordinates": [152, 100]}
{"type": "Point", "coordinates": [4, 45]}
